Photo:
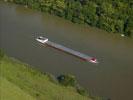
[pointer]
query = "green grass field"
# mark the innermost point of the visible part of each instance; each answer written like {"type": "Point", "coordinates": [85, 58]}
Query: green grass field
{"type": "Point", "coordinates": [19, 82]}
{"type": "Point", "coordinates": [10, 91]}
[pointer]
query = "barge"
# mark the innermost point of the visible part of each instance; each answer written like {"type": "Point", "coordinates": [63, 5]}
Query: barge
{"type": "Point", "coordinates": [85, 57]}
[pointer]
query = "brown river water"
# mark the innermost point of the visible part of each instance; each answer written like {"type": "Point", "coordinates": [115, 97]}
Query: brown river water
{"type": "Point", "coordinates": [112, 77]}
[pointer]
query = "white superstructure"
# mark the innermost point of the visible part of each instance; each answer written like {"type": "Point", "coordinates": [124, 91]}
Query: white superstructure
{"type": "Point", "coordinates": [42, 39]}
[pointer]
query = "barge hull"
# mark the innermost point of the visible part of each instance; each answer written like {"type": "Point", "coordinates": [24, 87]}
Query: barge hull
{"type": "Point", "coordinates": [68, 50]}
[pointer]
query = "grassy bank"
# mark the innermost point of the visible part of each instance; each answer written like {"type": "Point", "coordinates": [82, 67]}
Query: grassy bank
{"type": "Point", "coordinates": [19, 82]}
{"type": "Point", "coordinates": [10, 91]}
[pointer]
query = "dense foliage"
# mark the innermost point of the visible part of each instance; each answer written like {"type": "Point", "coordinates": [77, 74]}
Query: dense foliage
{"type": "Point", "coordinates": [111, 15]}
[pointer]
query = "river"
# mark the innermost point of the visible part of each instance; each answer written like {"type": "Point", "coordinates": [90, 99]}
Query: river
{"type": "Point", "coordinates": [112, 77]}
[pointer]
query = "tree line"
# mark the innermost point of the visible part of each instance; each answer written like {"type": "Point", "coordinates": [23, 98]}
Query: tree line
{"type": "Point", "coordinates": [114, 16]}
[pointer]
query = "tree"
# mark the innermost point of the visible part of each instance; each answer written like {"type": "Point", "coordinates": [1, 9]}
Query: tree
{"type": "Point", "coordinates": [105, 9]}
{"type": "Point", "coordinates": [129, 26]}
{"type": "Point", "coordinates": [36, 5]}
{"type": "Point", "coordinates": [69, 14]}
{"type": "Point", "coordinates": [59, 7]}
{"type": "Point", "coordinates": [19, 1]}
{"type": "Point", "coordinates": [77, 12]}
{"type": "Point", "coordinates": [119, 26]}
{"type": "Point", "coordinates": [89, 11]}
{"type": "Point", "coordinates": [46, 5]}
{"type": "Point", "coordinates": [106, 23]}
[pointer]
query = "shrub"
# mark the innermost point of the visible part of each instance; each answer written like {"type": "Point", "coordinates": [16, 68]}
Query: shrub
{"type": "Point", "coordinates": [67, 80]}
{"type": "Point", "coordinates": [1, 54]}
{"type": "Point", "coordinates": [51, 78]}
{"type": "Point", "coordinates": [82, 91]}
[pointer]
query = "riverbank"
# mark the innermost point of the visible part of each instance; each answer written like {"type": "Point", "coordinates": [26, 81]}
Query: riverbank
{"type": "Point", "coordinates": [112, 16]}
{"type": "Point", "coordinates": [113, 52]}
{"type": "Point", "coordinates": [19, 81]}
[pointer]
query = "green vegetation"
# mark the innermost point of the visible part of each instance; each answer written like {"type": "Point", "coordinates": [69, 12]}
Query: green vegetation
{"type": "Point", "coordinates": [19, 81]}
{"type": "Point", "coordinates": [1, 54]}
{"type": "Point", "coordinates": [67, 80]}
{"type": "Point", "coordinates": [10, 91]}
{"type": "Point", "coordinates": [111, 15]}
